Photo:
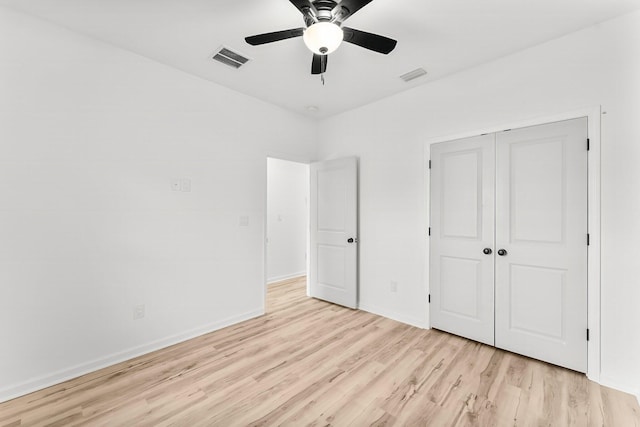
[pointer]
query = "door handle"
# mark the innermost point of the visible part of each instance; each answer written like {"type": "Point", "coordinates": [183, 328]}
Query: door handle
{"type": "Point", "coordinates": [487, 251]}
{"type": "Point", "coordinates": [502, 252]}
{"type": "Point", "coordinates": [351, 240]}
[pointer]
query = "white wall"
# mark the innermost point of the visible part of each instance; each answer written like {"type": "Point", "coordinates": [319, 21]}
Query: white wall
{"type": "Point", "coordinates": [91, 138]}
{"type": "Point", "coordinates": [287, 213]}
{"type": "Point", "coordinates": [597, 66]}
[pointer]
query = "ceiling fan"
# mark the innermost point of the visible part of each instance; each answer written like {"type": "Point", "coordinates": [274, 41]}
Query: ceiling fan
{"type": "Point", "coordinates": [324, 31]}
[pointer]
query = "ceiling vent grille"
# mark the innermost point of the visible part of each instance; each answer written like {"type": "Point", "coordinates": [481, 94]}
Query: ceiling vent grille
{"type": "Point", "coordinates": [230, 58]}
{"type": "Point", "coordinates": [412, 75]}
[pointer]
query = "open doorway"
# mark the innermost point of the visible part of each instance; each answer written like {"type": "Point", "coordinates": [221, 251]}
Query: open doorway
{"type": "Point", "coordinates": [287, 226]}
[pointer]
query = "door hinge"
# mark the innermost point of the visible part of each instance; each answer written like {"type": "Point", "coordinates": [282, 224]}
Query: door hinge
{"type": "Point", "coordinates": [587, 334]}
{"type": "Point", "coordinates": [588, 144]}
{"type": "Point", "coordinates": [429, 231]}
{"type": "Point", "coordinates": [429, 164]}
{"type": "Point", "coordinates": [588, 239]}
{"type": "Point", "coordinates": [429, 298]}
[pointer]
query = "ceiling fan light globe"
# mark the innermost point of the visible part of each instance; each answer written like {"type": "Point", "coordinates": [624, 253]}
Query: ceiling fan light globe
{"type": "Point", "coordinates": [322, 38]}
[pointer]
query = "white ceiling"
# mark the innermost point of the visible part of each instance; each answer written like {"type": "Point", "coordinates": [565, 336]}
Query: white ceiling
{"type": "Point", "coordinates": [442, 36]}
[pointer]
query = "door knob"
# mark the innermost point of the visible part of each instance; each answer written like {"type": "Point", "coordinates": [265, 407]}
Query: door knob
{"type": "Point", "coordinates": [487, 251]}
{"type": "Point", "coordinates": [502, 252]}
{"type": "Point", "coordinates": [350, 240]}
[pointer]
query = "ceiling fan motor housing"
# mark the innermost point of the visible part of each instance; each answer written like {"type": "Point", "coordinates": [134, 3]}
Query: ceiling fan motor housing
{"type": "Point", "coordinates": [324, 5]}
{"type": "Point", "coordinates": [324, 11]}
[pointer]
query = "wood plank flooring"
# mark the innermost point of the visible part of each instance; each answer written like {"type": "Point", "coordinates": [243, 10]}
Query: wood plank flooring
{"type": "Point", "coordinates": [308, 362]}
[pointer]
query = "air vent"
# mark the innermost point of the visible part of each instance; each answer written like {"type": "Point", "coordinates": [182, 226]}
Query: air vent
{"type": "Point", "coordinates": [230, 58]}
{"type": "Point", "coordinates": [411, 75]}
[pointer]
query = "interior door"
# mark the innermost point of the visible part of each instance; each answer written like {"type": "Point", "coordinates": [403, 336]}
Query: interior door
{"type": "Point", "coordinates": [462, 237]}
{"type": "Point", "coordinates": [541, 242]}
{"type": "Point", "coordinates": [333, 273]}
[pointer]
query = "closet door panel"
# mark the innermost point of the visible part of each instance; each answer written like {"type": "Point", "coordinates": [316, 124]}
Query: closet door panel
{"type": "Point", "coordinates": [462, 226]}
{"type": "Point", "coordinates": [541, 224]}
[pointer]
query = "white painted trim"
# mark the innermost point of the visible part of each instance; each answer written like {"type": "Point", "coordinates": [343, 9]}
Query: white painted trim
{"type": "Point", "coordinates": [617, 385]}
{"type": "Point", "coordinates": [276, 279]}
{"type": "Point", "coordinates": [426, 265]}
{"type": "Point", "coordinates": [593, 115]}
{"type": "Point", "coordinates": [398, 317]}
{"type": "Point", "coordinates": [16, 390]}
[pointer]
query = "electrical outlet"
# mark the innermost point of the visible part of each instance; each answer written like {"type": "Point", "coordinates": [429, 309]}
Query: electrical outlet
{"type": "Point", "coordinates": [393, 286]}
{"type": "Point", "coordinates": [243, 221]}
{"type": "Point", "coordinates": [186, 185]}
{"type": "Point", "coordinates": [175, 185]}
{"type": "Point", "coordinates": [138, 312]}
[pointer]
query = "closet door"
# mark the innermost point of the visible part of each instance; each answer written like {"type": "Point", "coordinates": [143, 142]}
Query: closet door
{"type": "Point", "coordinates": [541, 242]}
{"type": "Point", "coordinates": [462, 236]}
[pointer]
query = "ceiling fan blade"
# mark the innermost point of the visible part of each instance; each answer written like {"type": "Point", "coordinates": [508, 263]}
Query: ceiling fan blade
{"type": "Point", "coordinates": [349, 7]}
{"type": "Point", "coordinates": [274, 37]}
{"type": "Point", "coordinates": [319, 64]}
{"type": "Point", "coordinates": [375, 42]}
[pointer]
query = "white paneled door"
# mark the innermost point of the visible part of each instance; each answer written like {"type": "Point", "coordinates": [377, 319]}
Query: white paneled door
{"type": "Point", "coordinates": [541, 242]}
{"type": "Point", "coordinates": [462, 230]}
{"type": "Point", "coordinates": [333, 273]}
{"type": "Point", "coordinates": [521, 286]}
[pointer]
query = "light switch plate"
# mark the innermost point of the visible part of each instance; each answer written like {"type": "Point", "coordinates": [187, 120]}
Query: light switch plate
{"type": "Point", "coordinates": [138, 312]}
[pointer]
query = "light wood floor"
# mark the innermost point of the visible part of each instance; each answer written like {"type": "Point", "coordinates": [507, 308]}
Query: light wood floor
{"type": "Point", "coordinates": [312, 363]}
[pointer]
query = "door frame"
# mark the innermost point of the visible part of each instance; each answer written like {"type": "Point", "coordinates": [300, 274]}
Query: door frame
{"type": "Point", "coordinates": [288, 158]}
{"type": "Point", "coordinates": [593, 115]}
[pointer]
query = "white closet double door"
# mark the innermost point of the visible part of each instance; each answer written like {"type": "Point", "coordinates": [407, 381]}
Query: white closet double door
{"type": "Point", "coordinates": [508, 251]}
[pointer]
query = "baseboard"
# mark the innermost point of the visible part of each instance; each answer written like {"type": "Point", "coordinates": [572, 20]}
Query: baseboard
{"type": "Point", "coordinates": [620, 386]}
{"type": "Point", "coordinates": [39, 383]}
{"type": "Point", "coordinates": [275, 279]}
{"type": "Point", "coordinates": [393, 315]}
